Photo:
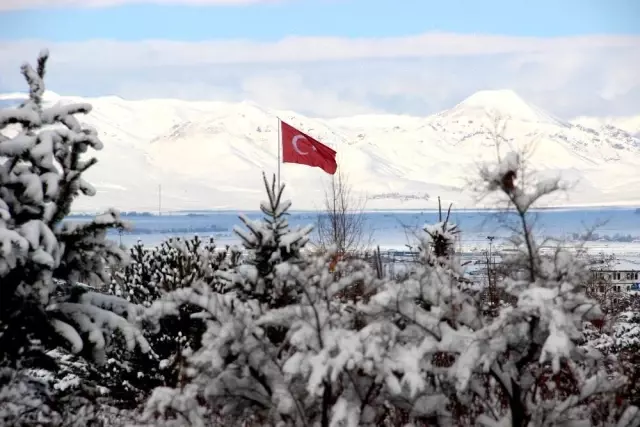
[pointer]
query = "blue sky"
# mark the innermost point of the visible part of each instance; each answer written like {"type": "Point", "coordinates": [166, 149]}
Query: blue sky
{"type": "Point", "coordinates": [334, 57]}
{"type": "Point", "coordinates": [344, 18]}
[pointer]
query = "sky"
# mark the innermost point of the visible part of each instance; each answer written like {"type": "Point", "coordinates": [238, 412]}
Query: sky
{"type": "Point", "coordinates": [332, 58]}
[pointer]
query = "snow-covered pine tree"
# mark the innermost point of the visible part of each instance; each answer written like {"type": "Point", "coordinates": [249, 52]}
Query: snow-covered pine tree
{"type": "Point", "coordinates": [522, 367]}
{"type": "Point", "coordinates": [319, 369]}
{"type": "Point", "coordinates": [42, 257]}
{"type": "Point", "coordinates": [420, 311]}
{"type": "Point", "coordinates": [269, 242]}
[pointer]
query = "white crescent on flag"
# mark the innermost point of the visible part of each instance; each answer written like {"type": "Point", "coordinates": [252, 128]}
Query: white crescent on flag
{"type": "Point", "coordinates": [295, 141]}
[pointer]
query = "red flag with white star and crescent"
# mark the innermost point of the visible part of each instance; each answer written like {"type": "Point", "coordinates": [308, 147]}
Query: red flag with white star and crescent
{"type": "Point", "coordinates": [300, 148]}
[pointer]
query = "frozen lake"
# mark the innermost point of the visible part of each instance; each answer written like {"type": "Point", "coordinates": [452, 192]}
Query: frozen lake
{"type": "Point", "coordinates": [616, 229]}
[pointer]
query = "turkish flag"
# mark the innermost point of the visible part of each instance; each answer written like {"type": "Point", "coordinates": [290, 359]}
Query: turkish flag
{"type": "Point", "coordinates": [300, 148]}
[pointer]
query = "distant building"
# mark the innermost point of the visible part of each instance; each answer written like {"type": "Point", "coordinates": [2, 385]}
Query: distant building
{"type": "Point", "coordinates": [620, 280]}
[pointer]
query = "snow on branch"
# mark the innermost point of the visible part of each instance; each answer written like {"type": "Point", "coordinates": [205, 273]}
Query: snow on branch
{"type": "Point", "coordinates": [87, 251]}
{"type": "Point", "coordinates": [522, 187]}
{"type": "Point", "coordinates": [93, 321]}
{"type": "Point", "coordinates": [41, 255]}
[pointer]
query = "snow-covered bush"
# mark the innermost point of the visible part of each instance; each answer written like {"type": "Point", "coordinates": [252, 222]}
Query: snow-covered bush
{"type": "Point", "coordinates": [523, 366]}
{"type": "Point", "coordinates": [42, 256]}
{"type": "Point", "coordinates": [175, 263]}
{"type": "Point", "coordinates": [283, 348]}
{"type": "Point", "coordinates": [62, 395]}
{"type": "Point", "coordinates": [627, 334]}
{"type": "Point", "coordinates": [151, 273]}
{"type": "Point", "coordinates": [620, 340]}
{"type": "Point", "coordinates": [280, 347]}
{"type": "Point", "coordinates": [27, 399]}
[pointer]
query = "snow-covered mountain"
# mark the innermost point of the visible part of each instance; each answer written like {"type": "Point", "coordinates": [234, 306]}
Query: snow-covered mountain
{"type": "Point", "coordinates": [628, 124]}
{"type": "Point", "coordinates": [210, 155]}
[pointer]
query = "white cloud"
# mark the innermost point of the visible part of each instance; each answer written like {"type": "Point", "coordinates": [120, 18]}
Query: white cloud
{"type": "Point", "coordinates": [334, 76]}
{"type": "Point", "coordinates": [38, 4]}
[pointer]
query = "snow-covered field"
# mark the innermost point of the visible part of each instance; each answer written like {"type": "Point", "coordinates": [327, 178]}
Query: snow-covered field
{"type": "Point", "coordinates": [210, 155]}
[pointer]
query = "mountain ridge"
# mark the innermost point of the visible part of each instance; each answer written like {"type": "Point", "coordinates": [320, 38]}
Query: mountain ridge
{"type": "Point", "coordinates": [210, 154]}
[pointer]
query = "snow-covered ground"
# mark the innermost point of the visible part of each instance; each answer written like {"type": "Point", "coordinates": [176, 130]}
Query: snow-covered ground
{"type": "Point", "coordinates": [210, 155]}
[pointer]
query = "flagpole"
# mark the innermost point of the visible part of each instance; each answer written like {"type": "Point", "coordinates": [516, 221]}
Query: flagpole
{"type": "Point", "coordinates": [279, 148]}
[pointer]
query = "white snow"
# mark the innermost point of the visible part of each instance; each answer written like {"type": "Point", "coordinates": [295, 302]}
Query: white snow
{"type": "Point", "coordinates": [203, 155]}
{"type": "Point", "coordinates": [506, 103]}
{"type": "Point", "coordinates": [630, 124]}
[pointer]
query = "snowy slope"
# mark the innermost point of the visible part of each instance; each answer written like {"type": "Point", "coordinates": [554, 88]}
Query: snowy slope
{"type": "Point", "coordinates": [210, 155]}
{"type": "Point", "coordinates": [630, 125]}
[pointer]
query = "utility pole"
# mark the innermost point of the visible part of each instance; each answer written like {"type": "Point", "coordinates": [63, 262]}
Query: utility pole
{"type": "Point", "coordinates": [492, 297]}
{"type": "Point", "coordinates": [490, 244]}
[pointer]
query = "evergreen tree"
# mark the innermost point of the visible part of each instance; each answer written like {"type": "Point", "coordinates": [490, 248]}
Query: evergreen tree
{"type": "Point", "coordinates": [269, 243]}
{"type": "Point", "coordinates": [522, 366]}
{"type": "Point", "coordinates": [42, 257]}
{"type": "Point", "coordinates": [416, 351]}
{"type": "Point", "coordinates": [267, 359]}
